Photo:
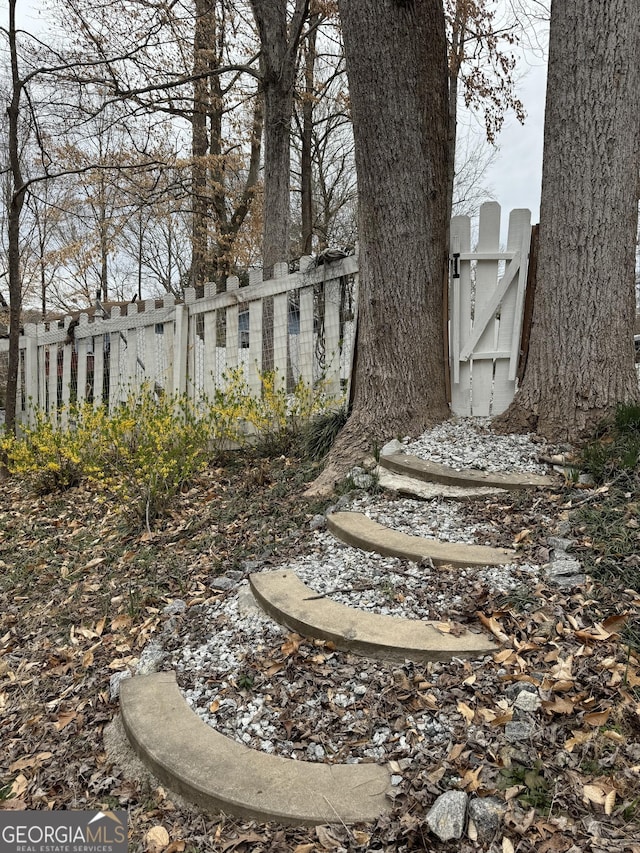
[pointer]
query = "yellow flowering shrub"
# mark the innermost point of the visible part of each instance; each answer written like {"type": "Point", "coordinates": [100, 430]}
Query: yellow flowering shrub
{"type": "Point", "coordinates": [151, 445]}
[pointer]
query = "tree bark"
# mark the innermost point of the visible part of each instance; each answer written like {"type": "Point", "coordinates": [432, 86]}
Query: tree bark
{"type": "Point", "coordinates": [397, 69]}
{"type": "Point", "coordinates": [279, 44]}
{"type": "Point", "coordinates": [306, 160]}
{"type": "Point", "coordinates": [16, 204]}
{"type": "Point", "coordinates": [581, 357]}
{"type": "Point", "coordinates": [203, 60]}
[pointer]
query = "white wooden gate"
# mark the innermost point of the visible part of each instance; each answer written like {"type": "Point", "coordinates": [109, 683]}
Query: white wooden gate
{"type": "Point", "coordinates": [486, 303]}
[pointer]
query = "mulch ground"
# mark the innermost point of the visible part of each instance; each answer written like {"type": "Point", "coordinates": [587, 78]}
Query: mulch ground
{"type": "Point", "coordinates": [81, 594]}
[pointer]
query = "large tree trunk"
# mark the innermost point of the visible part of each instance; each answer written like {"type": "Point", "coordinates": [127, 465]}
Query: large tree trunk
{"type": "Point", "coordinates": [581, 358]}
{"type": "Point", "coordinates": [397, 69]}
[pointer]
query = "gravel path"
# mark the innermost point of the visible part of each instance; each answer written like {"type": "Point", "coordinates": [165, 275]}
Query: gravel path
{"type": "Point", "coordinates": [274, 691]}
{"type": "Point", "coordinates": [471, 443]}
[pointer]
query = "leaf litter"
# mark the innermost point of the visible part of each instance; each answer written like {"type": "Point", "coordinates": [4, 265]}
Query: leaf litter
{"type": "Point", "coordinates": [81, 597]}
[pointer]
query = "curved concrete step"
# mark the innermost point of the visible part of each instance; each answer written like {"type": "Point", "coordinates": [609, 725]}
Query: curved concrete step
{"type": "Point", "coordinates": [401, 484]}
{"type": "Point", "coordinates": [355, 528]}
{"type": "Point", "coordinates": [421, 469]}
{"type": "Point", "coordinates": [284, 597]}
{"type": "Point", "coordinates": [220, 775]}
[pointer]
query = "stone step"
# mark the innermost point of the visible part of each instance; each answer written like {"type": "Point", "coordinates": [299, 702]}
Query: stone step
{"type": "Point", "coordinates": [356, 529]}
{"type": "Point", "coordinates": [433, 472]}
{"type": "Point", "coordinates": [286, 599]}
{"type": "Point", "coordinates": [400, 484]}
{"type": "Point", "coordinates": [220, 775]}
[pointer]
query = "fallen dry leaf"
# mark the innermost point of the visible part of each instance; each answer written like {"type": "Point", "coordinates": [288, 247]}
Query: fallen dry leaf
{"type": "Point", "coordinates": [13, 805]}
{"type": "Point", "coordinates": [492, 624]}
{"type": "Point", "coordinates": [467, 712]}
{"type": "Point", "coordinates": [577, 739]}
{"type": "Point", "coordinates": [471, 779]}
{"type": "Point", "coordinates": [30, 761]}
{"type": "Point", "coordinates": [597, 718]}
{"type": "Point", "coordinates": [156, 839]}
{"type": "Point", "coordinates": [327, 840]}
{"type": "Point", "coordinates": [64, 719]}
{"type": "Point", "coordinates": [19, 786]}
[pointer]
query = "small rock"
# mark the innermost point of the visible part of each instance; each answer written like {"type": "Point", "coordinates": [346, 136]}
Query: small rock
{"type": "Point", "coordinates": [361, 479]}
{"type": "Point", "coordinates": [527, 701]}
{"type": "Point", "coordinates": [222, 584]}
{"type": "Point", "coordinates": [565, 572]}
{"type": "Point", "coordinates": [246, 601]}
{"type": "Point", "coordinates": [392, 447]}
{"type": "Point", "coordinates": [518, 730]}
{"type": "Point", "coordinates": [446, 817]}
{"type": "Point", "coordinates": [395, 779]}
{"type": "Point", "coordinates": [114, 683]}
{"type": "Point", "coordinates": [150, 659]}
{"type": "Point", "coordinates": [234, 575]}
{"type": "Point", "coordinates": [585, 479]}
{"type": "Point", "coordinates": [486, 814]}
{"type": "Point", "coordinates": [512, 691]}
{"type": "Point", "coordinates": [174, 607]}
{"type": "Point", "coordinates": [318, 522]}
{"type": "Point", "coordinates": [249, 566]}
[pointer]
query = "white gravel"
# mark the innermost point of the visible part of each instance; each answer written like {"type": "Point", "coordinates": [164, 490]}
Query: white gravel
{"type": "Point", "coordinates": [228, 655]}
{"type": "Point", "coordinates": [471, 443]}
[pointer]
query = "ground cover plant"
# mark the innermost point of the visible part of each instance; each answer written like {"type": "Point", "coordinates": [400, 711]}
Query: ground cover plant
{"type": "Point", "coordinates": [82, 592]}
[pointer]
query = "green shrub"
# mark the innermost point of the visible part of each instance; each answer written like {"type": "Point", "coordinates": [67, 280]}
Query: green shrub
{"type": "Point", "coordinates": [322, 430]}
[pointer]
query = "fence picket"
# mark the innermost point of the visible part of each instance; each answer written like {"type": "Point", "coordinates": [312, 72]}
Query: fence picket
{"type": "Point", "coordinates": [30, 363]}
{"type": "Point", "coordinates": [511, 311]}
{"type": "Point", "coordinates": [486, 276]}
{"type": "Point", "coordinates": [460, 315]}
{"type": "Point", "coordinates": [331, 366]}
{"type": "Point", "coordinates": [82, 356]}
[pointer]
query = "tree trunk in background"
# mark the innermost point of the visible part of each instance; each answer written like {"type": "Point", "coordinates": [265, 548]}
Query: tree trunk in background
{"type": "Point", "coordinates": [397, 69]}
{"type": "Point", "coordinates": [306, 160]}
{"type": "Point", "coordinates": [203, 60]}
{"type": "Point", "coordinates": [581, 357]}
{"type": "Point", "coordinates": [279, 41]}
{"type": "Point", "coordinates": [16, 203]}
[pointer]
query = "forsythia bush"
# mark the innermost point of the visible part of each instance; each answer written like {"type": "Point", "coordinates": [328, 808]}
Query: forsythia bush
{"type": "Point", "coordinates": [145, 450]}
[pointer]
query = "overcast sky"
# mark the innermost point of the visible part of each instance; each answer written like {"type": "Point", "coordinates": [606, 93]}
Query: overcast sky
{"type": "Point", "coordinates": [515, 176]}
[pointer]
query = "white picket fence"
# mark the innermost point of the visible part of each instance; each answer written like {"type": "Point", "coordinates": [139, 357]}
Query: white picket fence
{"type": "Point", "coordinates": [189, 347]}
